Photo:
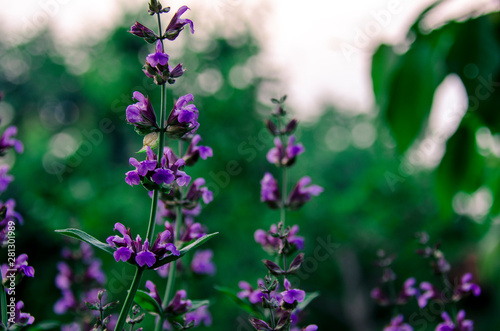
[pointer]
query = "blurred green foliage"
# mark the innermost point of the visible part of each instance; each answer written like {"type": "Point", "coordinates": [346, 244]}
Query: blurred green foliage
{"type": "Point", "coordinates": [77, 147]}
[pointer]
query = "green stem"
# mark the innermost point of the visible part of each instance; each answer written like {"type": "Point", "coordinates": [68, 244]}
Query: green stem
{"type": "Point", "coordinates": [129, 300]}
{"type": "Point", "coordinates": [3, 303]}
{"type": "Point", "coordinates": [173, 266]}
{"type": "Point", "coordinates": [159, 325]}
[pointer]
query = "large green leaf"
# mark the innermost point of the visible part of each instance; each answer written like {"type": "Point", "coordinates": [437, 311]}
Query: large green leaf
{"type": "Point", "coordinates": [143, 299]}
{"type": "Point", "coordinates": [84, 236]}
{"type": "Point", "coordinates": [461, 168]}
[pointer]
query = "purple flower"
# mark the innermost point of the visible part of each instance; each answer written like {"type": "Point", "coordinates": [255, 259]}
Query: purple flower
{"type": "Point", "coordinates": [197, 191]}
{"type": "Point", "coordinates": [462, 323]}
{"type": "Point", "coordinates": [20, 318]}
{"type": "Point", "coordinates": [179, 305]}
{"type": "Point", "coordinates": [177, 23]}
{"type": "Point", "coordinates": [290, 295]}
{"type": "Point", "coordinates": [19, 269]}
{"type": "Point", "coordinates": [194, 152]}
{"type": "Point", "coordinates": [8, 218]}
{"type": "Point", "coordinates": [200, 315]}
{"type": "Point", "coordinates": [302, 193]}
{"type": "Point", "coordinates": [158, 57]}
{"type": "Point", "coordinates": [398, 325]}
{"type": "Point", "coordinates": [134, 251]}
{"type": "Point", "coordinates": [141, 31]}
{"type": "Point", "coordinates": [5, 179]}
{"type": "Point", "coordinates": [183, 118]}
{"type": "Point", "coordinates": [408, 291]}
{"type": "Point", "coordinates": [142, 114]}
{"type": "Point", "coordinates": [7, 142]}
{"type": "Point", "coordinates": [64, 277]}
{"type": "Point", "coordinates": [285, 156]}
{"type": "Point", "coordinates": [153, 292]}
{"type": "Point", "coordinates": [254, 296]}
{"type": "Point", "coordinates": [269, 192]}
{"type": "Point", "coordinates": [430, 292]}
{"type": "Point", "coordinates": [380, 296]}
{"type": "Point", "coordinates": [273, 244]}
{"type": "Point", "coordinates": [65, 303]}
{"type": "Point", "coordinates": [466, 286]}
{"type": "Point", "coordinates": [202, 262]}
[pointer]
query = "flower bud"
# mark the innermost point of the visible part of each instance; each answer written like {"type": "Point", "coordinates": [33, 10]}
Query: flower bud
{"type": "Point", "coordinates": [151, 139]}
{"type": "Point", "coordinates": [143, 32]}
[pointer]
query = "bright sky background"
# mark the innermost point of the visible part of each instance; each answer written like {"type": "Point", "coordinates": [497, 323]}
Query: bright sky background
{"type": "Point", "coordinates": [318, 51]}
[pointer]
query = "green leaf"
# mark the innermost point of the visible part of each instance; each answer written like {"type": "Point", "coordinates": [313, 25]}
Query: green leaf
{"type": "Point", "coordinates": [195, 304]}
{"type": "Point", "coordinates": [84, 236]}
{"type": "Point", "coordinates": [309, 297]}
{"type": "Point", "coordinates": [461, 168]}
{"type": "Point", "coordinates": [251, 309]}
{"type": "Point", "coordinates": [143, 299]}
{"type": "Point", "coordinates": [183, 251]}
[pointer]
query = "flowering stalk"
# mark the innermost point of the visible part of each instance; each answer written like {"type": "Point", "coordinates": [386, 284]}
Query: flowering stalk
{"type": "Point", "coordinates": [279, 309]}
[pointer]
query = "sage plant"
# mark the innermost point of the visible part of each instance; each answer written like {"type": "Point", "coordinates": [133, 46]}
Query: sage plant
{"type": "Point", "coordinates": [276, 303]}
{"type": "Point", "coordinates": [447, 294]}
{"type": "Point", "coordinates": [16, 268]}
{"type": "Point", "coordinates": [162, 173]}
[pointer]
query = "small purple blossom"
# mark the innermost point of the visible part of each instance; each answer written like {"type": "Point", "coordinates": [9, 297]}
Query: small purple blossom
{"type": "Point", "coordinates": [183, 118]}
{"type": "Point", "coordinates": [134, 251]}
{"type": "Point", "coordinates": [398, 325]}
{"type": "Point", "coordinates": [7, 142]}
{"type": "Point", "coordinates": [5, 179]}
{"type": "Point", "coordinates": [380, 296]}
{"type": "Point", "coordinates": [20, 318]}
{"type": "Point", "coordinates": [302, 193]}
{"type": "Point", "coordinates": [408, 291]}
{"type": "Point", "coordinates": [462, 323]}
{"type": "Point", "coordinates": [290, 295]}
{"type": "Point", "coordinates": [282, 156]}
{"type": "Point", "coordinates": [9, 217]}
{"type": "Point", "coordinates": [273, 244]}
{"type": "Point", "coordinates": [247, 291]}
{"type": "Point", "coordinates": [19, 269]}
{"type": "Point", "coordinates": [179, 305]}
{"type": "Point", "coordinates": [65, 303]}
{"type": "Point", "coordinates": [198, 191]}
{"type": "Point", "coordinates": [158, 57]}
{"type": "Point", "coordinates": [466, 286]}
{"type": "Point", "coordinates": [141, 31]}
{"type": "Point", "coordinates": [269, 192]}
{"type": "Point", "coordinates": [141, 114]}
{"type": "Point", "coordinates": [194, 152]}
{"type": "Point", "coordinates": [199, 316]}
{"type": "Point", "coordinates": [430, 292]}
{"type": "Point", "coordinates": [202, 263]}
{"type": "Point", "coordinates": [177, 23]}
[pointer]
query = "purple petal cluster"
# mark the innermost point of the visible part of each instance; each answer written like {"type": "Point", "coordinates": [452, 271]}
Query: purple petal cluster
{"type": "Point", "coordinates": [19, 318]}
{"type": "Point", "coordinates": [269, 192]}
{"type": "Point", "coordinates": [285, 156]}
{"type": "Point", "coordinates": [199, 316]}
{"type": "Point", "coordinates": [141, 114]}
{"type": "Point", "coordinates": [179, 305]}
{"type": "Point", "coordinates": [157, 67]}
{"type": "Point", "coordinates": [5, 179]}
{"type": "Point", "coordinates": [141, 31]}
{"type": "Point", "coordinates": [247, 291]}
{"type": "Point", "coordinates": [273, 244]}
{"type": "Point", "coordinates": [397, 324]}
{"type": "Point", "coordinates": [302, 192]}
{"type": "Point", "coordinates": [291, 295]}
{"type": "Point", "coordinates": [429, 293]}
{"type": "Point", "coordinates": [137, 252]}
{"type": "Point", "coordinates": [194, 152]}
{"type": "Point", "coordinates": [202, 263]}
{"type": "Point", "coordinates": [198, 191]}
{"type": "Point", "coordinates": [7, 142]}
{"type": "Point", "coordinates": [10, 219]}
{"type": "Point", "coordinates": [408, 291]}
{"type": "Point", "coordinates": [177, 24]}
{"type": "Point", "coordinates": [462, 323]}
{"type": "Point", "coordinates": [466, 286]}
{"type": "Point", "coordinates": [183, 118]}
{"type": "Point", "coordinates": [19, 269]}
{"type": "Point", "coordinates": [167, 173]}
